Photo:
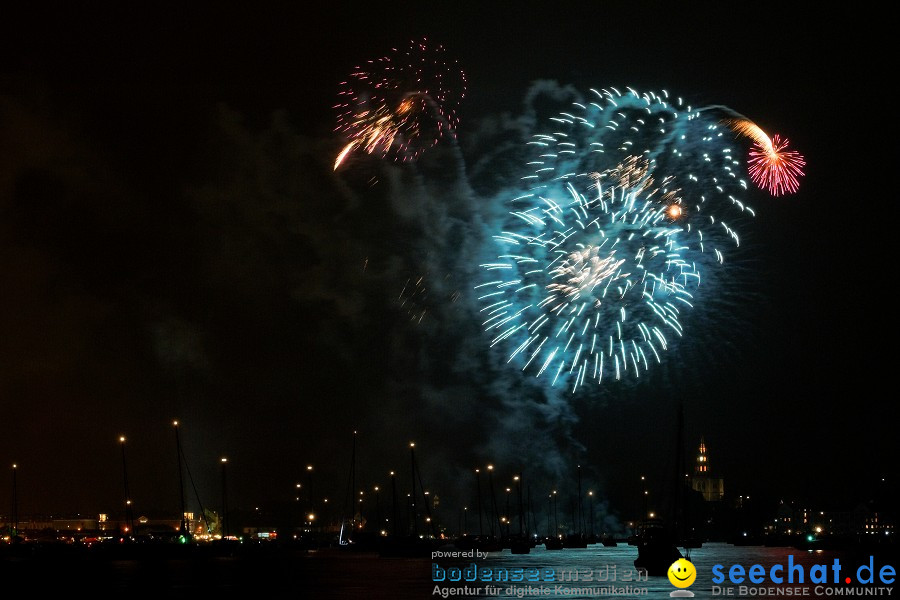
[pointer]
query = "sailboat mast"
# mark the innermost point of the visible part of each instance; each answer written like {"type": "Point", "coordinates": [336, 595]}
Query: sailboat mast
{"type": "Point", "coordinates": [580, 518]}
{"type": "Point", "coordinates": [180, 477]}
{"type": "Point", "coordinates": [678, 487]}
{"type": "Point", "coordinates": [353, 480]}
{"type": "Point", "coordinates": [412, 462]}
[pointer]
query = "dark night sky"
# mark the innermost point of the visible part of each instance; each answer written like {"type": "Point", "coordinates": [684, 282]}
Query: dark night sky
{"type": "Point", "coordinates": [173, 244]}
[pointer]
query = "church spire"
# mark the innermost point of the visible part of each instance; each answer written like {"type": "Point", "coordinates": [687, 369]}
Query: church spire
{"type": "Point", "coordinates": [702, 467]}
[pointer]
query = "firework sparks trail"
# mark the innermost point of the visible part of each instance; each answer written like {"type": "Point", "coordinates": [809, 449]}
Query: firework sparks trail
{"type": "Point", "coordinates": [631, 197]}
{"type": "Point", "coordinates": [401, 104]}
{"type": "Point", "coordinates": [771, 165]}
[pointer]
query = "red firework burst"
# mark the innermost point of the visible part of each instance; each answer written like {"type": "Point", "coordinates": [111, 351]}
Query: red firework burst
{"type": "Point", "coordinates": [775, 168]}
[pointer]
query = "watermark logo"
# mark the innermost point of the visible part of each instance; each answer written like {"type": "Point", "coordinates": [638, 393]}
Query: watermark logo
{"type": "Point", "coordinates": [794, 579]}
{"type": "Point", "coordinates": [682, 574]}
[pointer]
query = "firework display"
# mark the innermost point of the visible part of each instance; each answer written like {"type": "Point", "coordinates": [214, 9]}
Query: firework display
{"type": "Point", "coordinates": [421, 292]}
{"type": "Point", "coordinates": [401, 104]}
{"type": "Point", "coordinates": [631, 199]}
{"type": "Point", "coordinates": [775, 168]}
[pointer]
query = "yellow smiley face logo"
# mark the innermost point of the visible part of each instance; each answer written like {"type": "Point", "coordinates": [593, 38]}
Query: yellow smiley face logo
{"type": "Point", "coordinates": [682, 573]}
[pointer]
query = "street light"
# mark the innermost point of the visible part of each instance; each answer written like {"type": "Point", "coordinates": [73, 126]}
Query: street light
{"type": "Point", "coordinates": [224, 525]}
{"type": "Point", "coordinates": [129, 514]}
{"type": "Point", "coordinates": [478, 484]}
{"type": "Point", "coordinates": [495, 512]}
{"type": "Point", "coordinates": [549, 513]}
{"type": "Point", "coordinates": [395, 515]}
{"type": "Point", "coordinates": [591, 502]}
{"type": "Point", "coordinates": [646, 495]}
{"type": "Point", "coordinates": [309, 473]}
{"type": "Point", "coordinates": [378, 507]}
{"type": "Point", "coordinates": [556, 511]}
{"type": "Point", "coordinates": [520, 507]}
{"type": "Point", "coordinates": [15, 503]}
{"type": "Point", "coordinates": [411, 498]}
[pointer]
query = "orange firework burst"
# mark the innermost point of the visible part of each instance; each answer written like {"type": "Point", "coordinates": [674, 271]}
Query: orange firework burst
{"type": "Point", "coordinates": [674, 211]}
{"type": "Point", "coordinates": [401, 104]}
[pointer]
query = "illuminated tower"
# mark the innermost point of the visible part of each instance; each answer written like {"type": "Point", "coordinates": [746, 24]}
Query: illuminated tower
{"type": "Point", "coordinates": [712, 488]}
{"type": "Point", "coordinates": [702, 467]}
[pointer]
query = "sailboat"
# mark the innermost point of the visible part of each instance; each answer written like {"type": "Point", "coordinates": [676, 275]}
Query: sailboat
{"type": "Point", "coordinates": [352, 534]}
{"type": "Point", "coordinates": [413, 545]}
{"type": "Point", "coordinates": [577, 538]}
{"type": "Point", "coordinates": [657, 548]}
{"type": "Point", "coordinates": [521, 543]}
{"type": "Point", "coordinates": [658, 544]}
